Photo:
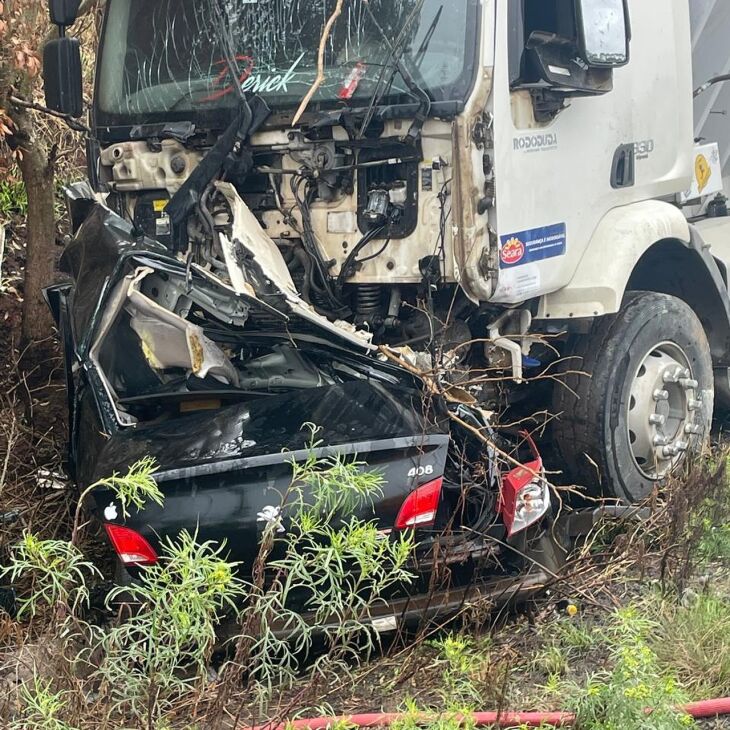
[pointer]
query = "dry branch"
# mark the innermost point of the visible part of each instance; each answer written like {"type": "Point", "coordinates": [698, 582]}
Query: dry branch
{"type": "Point", "coordinates": [73, 123]}
{"type": "Point", "coordinates": [434, 390]}
{"type": "Point", "coordinates": [320, 61]}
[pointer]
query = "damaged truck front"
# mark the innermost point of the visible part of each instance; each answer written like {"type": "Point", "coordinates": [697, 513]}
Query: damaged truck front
{"type": "Point", "coordinates": [282, 189]}
{"type": "Point", "coordinates": [383, 171]}
{"type": "Point", "coordinates": [209, 317]}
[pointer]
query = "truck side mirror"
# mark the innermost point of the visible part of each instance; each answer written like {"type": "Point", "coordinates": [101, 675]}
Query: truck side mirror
{"type": "Point", "coordinates": [63, 12]}
{"type": "Point", "coordinates": [62, 76]}
{"type": "Point", "coordinates": [603, 32]}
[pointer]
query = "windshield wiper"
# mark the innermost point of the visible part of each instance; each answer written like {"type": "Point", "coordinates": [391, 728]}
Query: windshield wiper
{"type": "Point", "coordinates": [228, 153]}
{"type": "Point", "coordinates": [228, 150]}
{"type": "Point", "coordinates": [397, 52]}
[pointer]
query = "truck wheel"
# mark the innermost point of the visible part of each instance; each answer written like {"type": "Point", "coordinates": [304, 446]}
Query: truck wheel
{"type": "Point", "coordinates": [636, 395]}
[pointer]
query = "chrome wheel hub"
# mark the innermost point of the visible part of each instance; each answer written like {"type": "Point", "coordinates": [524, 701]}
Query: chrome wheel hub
{"type": "Point", "coordinates": [664, 410]}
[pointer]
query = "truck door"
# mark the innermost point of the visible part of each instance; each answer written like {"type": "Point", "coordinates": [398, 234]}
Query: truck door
{"type": "Point", "coordinates": [591, 112]}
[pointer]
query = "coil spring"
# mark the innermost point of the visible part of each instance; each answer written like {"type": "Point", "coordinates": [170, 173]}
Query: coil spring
{"type": "Point", "coordinates": [368, 299]}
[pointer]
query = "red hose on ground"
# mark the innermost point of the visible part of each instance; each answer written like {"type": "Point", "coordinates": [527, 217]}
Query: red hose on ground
{"type": "Point", "coordinates": [708, 708]}
{"type": "Point", "coordinates": [503, 719]}
{"type": "Point", "coordinates": [698, 710]}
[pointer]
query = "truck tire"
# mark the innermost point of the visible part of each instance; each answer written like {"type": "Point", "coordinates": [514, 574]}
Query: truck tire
{"type": "Point", "coordinates": [636, 395]}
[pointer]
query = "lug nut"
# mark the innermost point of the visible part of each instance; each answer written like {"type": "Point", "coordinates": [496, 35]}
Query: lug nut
{"type": "Point", "coordinates": [670, 376]}
{"type": "Point", "coordinates": [660, 440]}
{"type": "Point", "coordinates": [660, 395]}
{"type": "Point", "coordinates": [689, 384]}
{"type": "Point", "coordinates": [693, 430]}
{"type": "Point", "coordinates": [670, 451]}
{"type": "Point", "coordinates": [657, 420]}
{"type": "Point", "coordinates": [694, 405]}
{"type": "Point", "coordinates": [681, 446]}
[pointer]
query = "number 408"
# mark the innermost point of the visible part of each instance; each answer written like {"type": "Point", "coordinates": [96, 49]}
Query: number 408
{"type": "Point", "coordinates": [421, 471]}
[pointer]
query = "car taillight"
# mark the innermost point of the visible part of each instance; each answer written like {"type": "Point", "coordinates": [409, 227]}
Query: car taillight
{"type": "Point", "coordinates": [130, 546]}
{"type": "Point", "coordinates": [525, 497]}
{"type": "Point", "coordinates": [420, 506]}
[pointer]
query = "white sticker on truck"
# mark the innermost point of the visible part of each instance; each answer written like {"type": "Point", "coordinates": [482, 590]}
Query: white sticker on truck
{"type": "Point", "coordinates": [518, 284]}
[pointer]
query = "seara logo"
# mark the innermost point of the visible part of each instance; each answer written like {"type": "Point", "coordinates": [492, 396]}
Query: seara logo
{"type": "Point", "coordinates": [512, 252]}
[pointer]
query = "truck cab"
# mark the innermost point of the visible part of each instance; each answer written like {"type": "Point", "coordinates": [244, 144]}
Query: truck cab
{"type": "Point", "coordinates": [501, 191]}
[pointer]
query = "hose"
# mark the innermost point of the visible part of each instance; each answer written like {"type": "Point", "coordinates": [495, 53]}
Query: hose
{"type": "Point", "coordinates": [351, 260]}
{"type": "Point", "coordinates": [708, 708]}
{"type": "Point", "coordinates": [697, 710]}
{"type": "Point", "coordinates": [711, 82]}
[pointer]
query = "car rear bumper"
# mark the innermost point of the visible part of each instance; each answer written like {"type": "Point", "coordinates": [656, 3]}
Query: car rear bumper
{"type": "Point", "coordinates": [410, 611]}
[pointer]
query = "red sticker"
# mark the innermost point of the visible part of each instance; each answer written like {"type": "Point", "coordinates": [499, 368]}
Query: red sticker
{"type": "Point", "coordinates": [513, 251]}
{"type": "Point", "coordinates": [349, 87]}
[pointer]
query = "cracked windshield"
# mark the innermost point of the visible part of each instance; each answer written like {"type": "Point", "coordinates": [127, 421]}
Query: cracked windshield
{"type": "Point", "coordinates": [165, 59]}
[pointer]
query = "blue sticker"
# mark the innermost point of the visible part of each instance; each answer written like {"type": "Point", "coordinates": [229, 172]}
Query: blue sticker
{"type": "Point", "coordinates": [536, 244]}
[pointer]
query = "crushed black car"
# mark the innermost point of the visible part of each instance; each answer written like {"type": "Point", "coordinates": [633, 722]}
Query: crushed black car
{"type": "Point", "coordinates": [216, 382]}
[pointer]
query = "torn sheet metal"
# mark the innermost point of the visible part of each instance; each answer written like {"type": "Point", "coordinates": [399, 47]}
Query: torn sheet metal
{"type": "Point", "coordinates": [248, 232]}
{"type": "Point", "coordinates": [169, 341]}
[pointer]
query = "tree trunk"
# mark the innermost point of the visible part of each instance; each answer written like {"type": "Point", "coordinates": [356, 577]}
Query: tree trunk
{"type": "Point", "coordinates": [38, 176]}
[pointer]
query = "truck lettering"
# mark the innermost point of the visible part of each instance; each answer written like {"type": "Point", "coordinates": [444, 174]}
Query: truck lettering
{"type": "Point", "coordinates": [643, 149]}
{"type": "Point", "coordinates": [273, 82]}
{"type": "Point", "coordinates": [535, 142]}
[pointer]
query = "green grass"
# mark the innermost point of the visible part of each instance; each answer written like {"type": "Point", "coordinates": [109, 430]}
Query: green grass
{"type": "Point", "coordinates": [13, 199]}
{"type": "Point", "coordinates": [712, 518]}
{"type": "Point", "coordinates": [574, 635]}
{"type": "Point", "coordinates": [42, 707]}
{"type": "Point", "coordinates": [553, 660]}
{"type": "Point", "coordinates": [694, 641]}
{"type": "Point", "coordinates": [607, 671]}
{"type": "Point", "coordinates": [715, 542]}
{"type": "Point", "coordinates": [565, 641]}
{"type": "Point", "coordinates": [617, 696]}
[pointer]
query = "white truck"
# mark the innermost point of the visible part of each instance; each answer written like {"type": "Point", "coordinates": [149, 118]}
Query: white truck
{"type": "Point", "coordinates": [512, 186]}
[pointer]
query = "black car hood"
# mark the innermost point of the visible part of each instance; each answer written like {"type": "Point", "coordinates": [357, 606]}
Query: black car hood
{"type": "Point", "coordinates": [238, 436]}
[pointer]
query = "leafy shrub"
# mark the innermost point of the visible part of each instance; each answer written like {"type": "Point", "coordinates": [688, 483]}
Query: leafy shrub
{"type": "Point", "coordinates": [334, 568]}
{"type": "Point", "coordinates": [57, 571]}
{"type": "Point", "coordinates": [162, 650]}
{"type": "Point", "coordinates": [320, 571]}
{"type": "Point", "coordinates": [619, 697]}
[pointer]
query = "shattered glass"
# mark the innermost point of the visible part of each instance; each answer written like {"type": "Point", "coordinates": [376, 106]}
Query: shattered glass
{"type": "Point", "coordinates": [168, 58]}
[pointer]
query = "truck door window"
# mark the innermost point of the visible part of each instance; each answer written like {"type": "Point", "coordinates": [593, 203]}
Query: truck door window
{"type": "Point", "coordinates": [545, 17]}
{"type": "Point", "coordinates": [548, 51]}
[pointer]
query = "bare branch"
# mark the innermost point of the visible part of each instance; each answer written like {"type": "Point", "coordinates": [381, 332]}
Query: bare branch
{"type": "Point", "coordinates": [320, 61]}
{"type": "Point", "coordinates": [11, 436]}
{"type": "Point", "coordinates": [72, 123]}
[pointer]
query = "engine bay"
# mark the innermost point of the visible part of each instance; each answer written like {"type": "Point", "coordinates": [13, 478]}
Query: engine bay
{"type": "Point", "coordinates": [362, 225]}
